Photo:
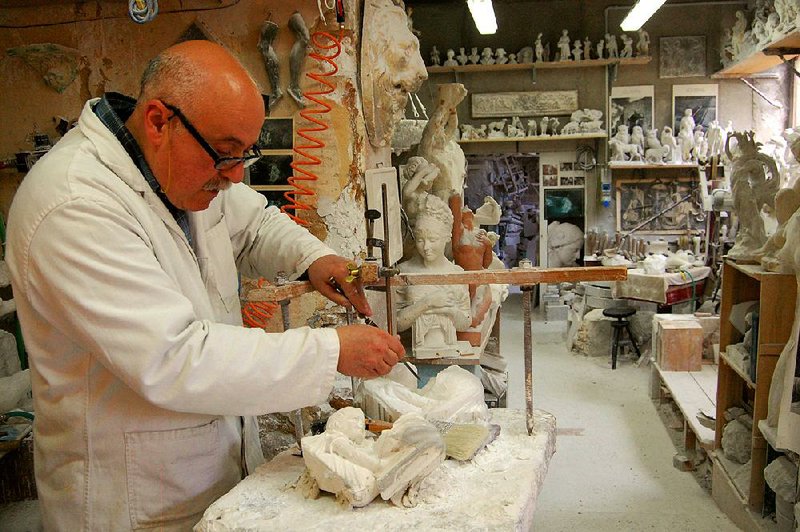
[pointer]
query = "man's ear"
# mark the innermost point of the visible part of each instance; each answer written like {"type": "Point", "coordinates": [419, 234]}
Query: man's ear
{"type": "Point", "coordinates": [156, 122]}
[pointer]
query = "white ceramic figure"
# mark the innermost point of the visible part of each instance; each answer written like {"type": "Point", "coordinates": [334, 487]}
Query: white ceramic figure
{"type": "Point", "coordinates": [686, 141]}
{"type": "Point", "coordinates": [544, 124]}
{"type": "Point", "coordinates": [643, 44]}
{"type": "Point", "coordinates": [515, 128]}
{"type": "Point", "coordinates": [571, 128]}
{"type": "Point", "coordinates": [627, 46]}
{"type": "Point", "coordinates": [577, 50]}
{"type": "Point", "coordinates": [487, 57]}
{"type": "Point", "coordinates": [539, 49]}
{"type": "Point", "coordinates": [738, 35]}
{"type": "Point", "coordinates": [474, 58]}
{"type": "Point", "coordinates": [462, 57]}
{"type": "Point", "coordinates": [600, 48]}
{"type": "Point", "coordinates": [654, 152]}
{"type": "Point", "coordinates": [754, 182]}
{"type": "Point", "coordinates": [391, 69]}
{"type": "Point", "coordinates": [637, 136]}
{"type": "Point", "coordinates": [512, 59]}
{"type": "Point", "coordinates": [611, 46]}
{"type": "Point", "coordinates": [531, 128]}
{"type": "Point", "coordinates": [554, 126]}
{"type": "Point", "coordinates": [525, 55]}
{"type": "Point", "coordinates": [700, 147]}
{"type": "Point", "coordinates": [436, 59]}
{"type": "Point", "coordinates": [500, 56]}
{"type": "Point", "coordinates": [726, 48]}
{"type": "Point", "coordinates": [622, 134]}
{"type": "Point", "coordinates": [587, 48]}
{"type": "Point", "coordinates": [347, 461]}
{"type": "Point", "coordinates": [563, 46]}
{"type": "Point", "coordinates": [419, 176]}
{"type": "Point", "coordinates": [672, 152]}
{"type": "Point", "coordinates": [496, 129]}
{"type": "Point", "coordinates": [438, 144]}
{"type": "Point", "coordinates": [624, 152]}
{"type": "Point", "coordinates": [564, 243]}
{"type": "Point", "coordinates": [451, 58]}
{"type": "Point", "coordinates": [433, 313]}
{"type": "Point", "coordinates": [469, 132]}
{"type": "Point", "coordinates": [687, 120]}
{"type": "Point", "coordinates": [715, 139]}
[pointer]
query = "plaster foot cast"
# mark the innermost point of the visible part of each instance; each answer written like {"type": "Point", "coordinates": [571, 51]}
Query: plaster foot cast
{"type": "Point", "coordinates": [433, 314]}
{"type": "Point", "coordinates": [297, 57]}
{"type": "Point", "coordinates": [391, 68]}
{"type": "Point", "coordinates": [346, 461]}
{"type": "Point", "coordinates": [439, 146]}
{"type": "Point", "coordinates": [268, 32]}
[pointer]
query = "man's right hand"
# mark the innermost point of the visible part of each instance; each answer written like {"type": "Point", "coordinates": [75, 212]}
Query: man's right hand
{"type": "Point", "coordinates": [367, 352]}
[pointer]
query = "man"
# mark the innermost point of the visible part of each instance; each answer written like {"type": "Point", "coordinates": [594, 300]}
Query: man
{"type": "Point", "coordinates": [124, 244]}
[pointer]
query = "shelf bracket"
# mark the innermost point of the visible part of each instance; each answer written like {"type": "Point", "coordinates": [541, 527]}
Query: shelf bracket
{"type": "Point", "coordinates": [755, 89]}
{"type": "Point", "coordinates": [613, 68]}
{"type": "Point", "coordinates": [533, 74]}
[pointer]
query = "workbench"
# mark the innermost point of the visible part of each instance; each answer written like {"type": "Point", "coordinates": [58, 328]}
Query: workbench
{"type": "Point", "coordinates": [497, 490]}
{"type": "Point", "coordinates": [664, 288]}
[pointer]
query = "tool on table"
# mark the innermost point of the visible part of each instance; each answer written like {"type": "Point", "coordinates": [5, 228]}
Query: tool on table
{"type": "Point", "coordinates": [527, 296]}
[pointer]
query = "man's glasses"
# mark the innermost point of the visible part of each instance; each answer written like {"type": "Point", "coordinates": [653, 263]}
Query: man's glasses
{"type": "Point", "coordinates": [220, 162]}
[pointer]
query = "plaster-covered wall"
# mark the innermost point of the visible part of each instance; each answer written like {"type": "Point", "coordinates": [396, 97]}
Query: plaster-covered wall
{"type": "Point", "coordinates": [449, 25]}
{"type": "Point", "coordinates": [114, 51]}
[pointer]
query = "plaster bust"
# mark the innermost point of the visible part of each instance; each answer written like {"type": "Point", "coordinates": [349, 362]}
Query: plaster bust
{"type": "Point", "coordinates": [391, 68]}
{"type": "Point", "coordinates": [564, 243]}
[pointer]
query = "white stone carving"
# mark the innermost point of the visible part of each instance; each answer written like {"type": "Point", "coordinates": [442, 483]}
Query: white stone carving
{"type": "Point", "coordinates": [564, 243]}
{"type": "Point", "coordinates": [538, 103]}
{"type": "Point", "coordinates": [439, 145]}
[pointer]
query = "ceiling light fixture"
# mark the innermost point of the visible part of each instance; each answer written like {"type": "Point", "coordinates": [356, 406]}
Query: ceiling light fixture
{"type": "Point", "coordinates": [483, 14]}
{"type": "Point", "coordinates": [640, 13]}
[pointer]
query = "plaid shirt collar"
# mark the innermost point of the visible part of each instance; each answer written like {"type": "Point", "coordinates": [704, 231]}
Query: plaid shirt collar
{"type": "Point", "coordinates": [113, 109]}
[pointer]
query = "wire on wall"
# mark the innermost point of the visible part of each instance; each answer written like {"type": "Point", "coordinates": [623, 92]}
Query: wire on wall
{"type": "Point", "coordinates": [328, 49]}
{"type": "Point", "coordinates": [256, 314]}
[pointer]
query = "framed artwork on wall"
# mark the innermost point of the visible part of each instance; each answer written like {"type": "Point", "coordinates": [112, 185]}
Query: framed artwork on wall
{"type": "Point", "coordinates": [276, 134]}
{"type": "Point", "coordinates": [641, 199]}
{"type": "Point", "coordinates": [631, 106]}
{"type": "Point", "coordinates": [682, 57]}
{"type": "Point", "coordinates": [272, 170]}
{"type": "Point", "coordinates": [701, 99]}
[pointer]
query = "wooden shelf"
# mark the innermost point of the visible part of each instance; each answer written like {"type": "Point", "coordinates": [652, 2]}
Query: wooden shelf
{"type": "Point", "coordinates": [586, 63]}
{"type": "Point", "coordinates": [541, 138]}
{"type": "Point", "coordinates": [748, 282]}
{"type": "Point", "coordinates": [693, 392]}
{"type": "Point", "coordinates": [618, 165]}
{"type": "Point", "coordinates": [759, 61]}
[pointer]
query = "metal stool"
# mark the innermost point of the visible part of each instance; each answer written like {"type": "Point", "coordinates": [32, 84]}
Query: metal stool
{"type": "Point", "coordinates": [621, 325]}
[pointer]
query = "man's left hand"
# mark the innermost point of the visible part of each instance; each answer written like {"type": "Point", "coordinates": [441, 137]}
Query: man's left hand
{"type": "Point", "coordinates": [328, 275]}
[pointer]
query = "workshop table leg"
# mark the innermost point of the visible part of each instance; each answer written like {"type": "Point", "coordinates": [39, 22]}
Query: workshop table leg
{"type": "Point", "coordinates": [527, 292]}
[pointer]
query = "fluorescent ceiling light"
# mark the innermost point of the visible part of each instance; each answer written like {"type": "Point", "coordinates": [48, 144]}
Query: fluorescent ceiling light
{"type": "Point", "coordinates": [483, 15]}
{"type": "Point", "coordinates": [640, 13]}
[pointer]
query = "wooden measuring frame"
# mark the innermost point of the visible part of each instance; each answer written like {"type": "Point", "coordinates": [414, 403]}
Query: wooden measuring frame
{"type": "Point", "coordinates": [525, 278]}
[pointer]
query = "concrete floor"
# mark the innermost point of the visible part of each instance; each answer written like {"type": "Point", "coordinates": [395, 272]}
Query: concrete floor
{"type": "Point", "coordinates": [613, 464]}
{"type": "Point", "coordinates": [612, 469]}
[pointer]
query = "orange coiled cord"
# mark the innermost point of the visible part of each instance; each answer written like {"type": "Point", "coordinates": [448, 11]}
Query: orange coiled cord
{"type": "Point", "coordinates": [324, 42]}
{"type": "Point", "coordinates": [256, 314]}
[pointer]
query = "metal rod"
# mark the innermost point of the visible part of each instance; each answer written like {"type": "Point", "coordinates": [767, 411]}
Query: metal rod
{"type": "Point", "coordinates": [297, 415]}
{"type": "Point", "coordinates": [528, 354]}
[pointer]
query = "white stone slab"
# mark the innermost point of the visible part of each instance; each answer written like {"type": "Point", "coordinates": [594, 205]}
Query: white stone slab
{"type": "Point", "coordinates": [497, 490]}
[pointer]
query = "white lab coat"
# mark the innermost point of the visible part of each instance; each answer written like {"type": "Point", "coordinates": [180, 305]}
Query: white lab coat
{"type": "Point", "coordinates": [139, 361]}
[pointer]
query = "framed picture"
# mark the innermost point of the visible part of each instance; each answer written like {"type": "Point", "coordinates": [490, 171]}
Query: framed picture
{"type": "Point", "coordinates": [276, 134]}
{"type": "Point", "coordinates": [640, 199]}
{"type": "Point", "coordinates": [562, 204]}
{"type": "Point", "coordinates": [273, 170]}
{"type": "Point", "coordinates": [631, 106]}
{"type": "Point", "coordinates": [701, 100]}
{"type": "Point", "coordinates": [682, 57]}
{"type": "Point", "coordinates": [275, 197]}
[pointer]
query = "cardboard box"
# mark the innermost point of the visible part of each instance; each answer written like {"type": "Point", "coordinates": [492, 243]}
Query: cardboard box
{"type": "Point", "coordinates": [680, 345]}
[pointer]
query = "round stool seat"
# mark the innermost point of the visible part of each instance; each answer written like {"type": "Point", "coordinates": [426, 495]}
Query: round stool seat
{"type": "Point", "coordinates": [619, 312]}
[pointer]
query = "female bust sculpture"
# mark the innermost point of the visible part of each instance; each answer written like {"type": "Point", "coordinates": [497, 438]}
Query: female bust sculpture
{"type": "Point", "coordinates": [433, 313]}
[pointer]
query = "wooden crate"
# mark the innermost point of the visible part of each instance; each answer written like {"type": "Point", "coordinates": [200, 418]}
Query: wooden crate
{"type": "Point", "coordinates": [680, 345]}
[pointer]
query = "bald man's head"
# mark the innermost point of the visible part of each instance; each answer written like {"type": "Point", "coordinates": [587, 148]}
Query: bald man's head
{"type": "Point", "coordinates": [196, 71]}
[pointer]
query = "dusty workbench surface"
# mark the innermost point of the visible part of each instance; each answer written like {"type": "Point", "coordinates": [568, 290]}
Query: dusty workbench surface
{"type": "Point", "coordinates": [496, 491]}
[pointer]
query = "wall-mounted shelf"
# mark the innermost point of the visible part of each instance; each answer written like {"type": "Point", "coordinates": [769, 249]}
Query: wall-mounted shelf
{"type": "Point", "coordinates": [761, 60]}
{"type": "Point", "coordinates": [586, 63]}
{"type": "Point", "coordinates": [643, 166]}
{"type": "Point", "coordinates": [542, 138]}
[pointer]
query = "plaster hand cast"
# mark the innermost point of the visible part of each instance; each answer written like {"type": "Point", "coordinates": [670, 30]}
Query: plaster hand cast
{"type": "Point", "coordinates": [268, 32]}
{"type": "Point", "coordinates": [297, 57]}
